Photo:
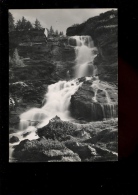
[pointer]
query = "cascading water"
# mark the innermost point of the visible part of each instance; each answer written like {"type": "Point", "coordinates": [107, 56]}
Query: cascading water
{"type": "Point", "coordinates": [85, 54]}
{"type": "Point", "coordinates": [57, 103]}
{"type": "Point", "coordinates": [108, 108]}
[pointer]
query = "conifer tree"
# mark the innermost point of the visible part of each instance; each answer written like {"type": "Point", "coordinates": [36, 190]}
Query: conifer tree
{"type": "Point", "coordinates": [11, 22]}
{"type": "Point", "coordinates": [37, 24]}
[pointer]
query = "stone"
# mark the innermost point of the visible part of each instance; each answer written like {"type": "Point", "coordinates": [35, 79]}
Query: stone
{"type": "Point", "coordinates": [14, 139]}
{"type": "Point", "coordinates": [87, 106]}
{"type": "Point", "coordinates": [26, 133]}
{"type": "Point", "coordinates": [43, 150]}
{"type": "Point", "coordinates": [57, 129]}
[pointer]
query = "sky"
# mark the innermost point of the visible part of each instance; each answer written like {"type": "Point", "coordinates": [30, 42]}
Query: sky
{"type": "Point", "coordinates": [59, 19]}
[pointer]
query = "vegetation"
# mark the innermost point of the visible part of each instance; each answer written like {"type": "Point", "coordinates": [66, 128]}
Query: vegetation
{"type": "Point", "coordinates": [11, 22]}
{"type": "Point", "coordinates": [55, 33]}
{"type": "Point", "coordinates": [15, 61]}
{"type": "Point", "coordinates": [37, 25]}
{"type": "Point", "coordinates": [23, 24]}
{"type": "Point", "coordinates": [74, 25]}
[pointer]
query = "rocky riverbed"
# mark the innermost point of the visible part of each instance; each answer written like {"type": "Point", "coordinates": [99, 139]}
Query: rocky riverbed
{"type": "Point", "coordinates": [70, 141]}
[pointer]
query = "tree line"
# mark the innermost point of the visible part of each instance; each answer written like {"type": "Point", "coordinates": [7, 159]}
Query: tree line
{"type": "Point", "coordinates": [24, 24]}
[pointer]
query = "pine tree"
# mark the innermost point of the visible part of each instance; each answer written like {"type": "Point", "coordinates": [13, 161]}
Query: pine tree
{"type": "Point", "coordinates": [18, 24]}
{"type": "Point", "coordinates": [11, 22]}
{"type": "Point", "coordinates": [23, 24]}
{"type": "Point", "coordinates": [61, 33]}
{"type": "Point", "coordinates": [37, 25]}
{"type": "Point", "coordinates": [28, 25]}
{"type": "Point", "coordinates": [56, 32]}
{"type": "Point", "coordinates": [51, 31]}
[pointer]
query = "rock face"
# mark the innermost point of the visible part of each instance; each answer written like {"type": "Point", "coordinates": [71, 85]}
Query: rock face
{"type": "Point", "coordinates": [90, 102]}
{"type": "Point", "coordinates": [49, 58]}
{"type": "Point", "coordinates": [27, 37]}
{"type": "Point", "coordinates": [103, 29]}
{"type": "Point", "coordinates": [25, 95]}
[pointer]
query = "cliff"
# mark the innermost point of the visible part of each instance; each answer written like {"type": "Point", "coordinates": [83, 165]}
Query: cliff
{"type": "Point", "coordinates": [103, 29]}
{"type": "Point", "coordinates": [26, 37]}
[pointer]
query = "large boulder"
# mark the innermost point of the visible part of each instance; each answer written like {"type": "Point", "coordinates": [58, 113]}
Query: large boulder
{"type": "Point", "coordinates": [43, 150]}
{"type": "Point", "coordinates": [14, 139]}
{"type": "Point", "coordinates": [57, 129]}
{"type": "Point", "coordinates": [86, 105]}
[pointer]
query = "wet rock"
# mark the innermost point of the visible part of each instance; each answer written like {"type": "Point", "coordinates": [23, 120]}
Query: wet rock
{"type": "Point", "coordinates": [90, 107]}
{"type": "Point", "coordinates": [72, 42]}
{"type": "Point", "coordinates": [82, 79]}
{"type": "Point", "coordinates": [14, 139]}
{"type": "Point", "coordinates": [82, 106]}
{"type": "Point", "coordinates": [26, 133]}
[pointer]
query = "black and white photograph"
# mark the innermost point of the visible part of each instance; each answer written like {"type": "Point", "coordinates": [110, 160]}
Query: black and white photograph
{"type": "Point", "coordinates": [63, 85]}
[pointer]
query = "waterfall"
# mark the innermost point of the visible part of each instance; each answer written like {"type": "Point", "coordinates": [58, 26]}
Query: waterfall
{"type": "Point", "coordinates": [57, 98]}
{"type": "Point", "coordinates": [57, 103]}
{"type": "Point", "coordinates": [85, 54]}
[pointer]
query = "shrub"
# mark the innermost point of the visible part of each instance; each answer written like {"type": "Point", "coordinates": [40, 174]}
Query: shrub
{"type": "Point", "coordinates": [16, 59]}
